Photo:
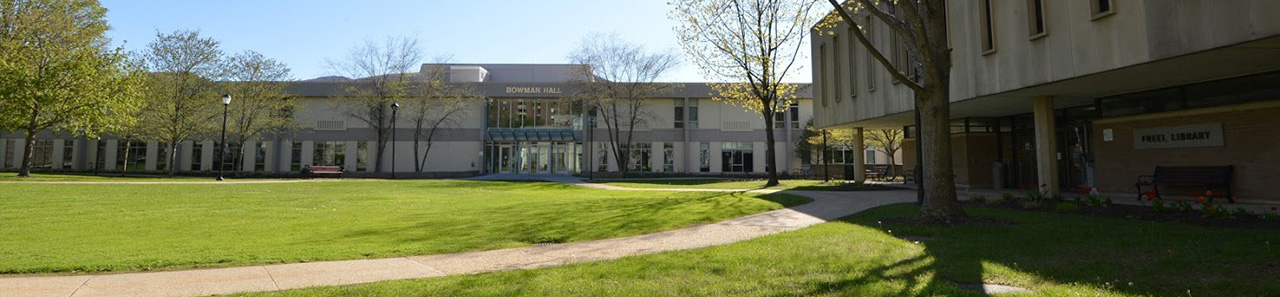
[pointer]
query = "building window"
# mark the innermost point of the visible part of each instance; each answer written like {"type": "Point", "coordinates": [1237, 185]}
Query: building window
{"type": "Point", "coordinates": [131, 155]}
{"type": "Point", "coordinates": [987, 30]}
{"type": "Point", "coordinates": [260, 157]}
{"type": "Point", "coordinates": [42, 154]}
{"type": "Point", "coordinates": [1101, 8]}
{"type": "Point", "coordinates": [840, 155]}
{"type": "Point", "coordinates": [8, 153]}
{"type": "Point", "coordinates": [101, 161]}
{"type": "Point", "coordinates": [737, 157]}
{"type": "Point", "coordinates": [668, 157]}
{"type": "Point", "coordinates": [853, 64]}
{"type": "Point", "coordinates": [794, 109]}
{"type": "Point", "coordinates": [162, 156]}
{"type": "Point", "coordinates": [602, 150]}
{"type": "Point", "coordinates": [779, 118]}
{"type": "Point", "coordinates": [871, 64]}
{"type": "Point", "coordinates": [1035, 19]}
{"type": "Point", "coordinates": [362, 156]}
{"type": "Point", "coordinates": [678, 113]}
{"type": "Point", "coordinates": [704, 157]}
{"type": "Point", "coordinates": [870, 156]}
{"type": "Point", "coordinates": [329, 153]}
{"type": "Point", "coordinates": [68, 152]}
{"type": "Point", "coordinates": [295, 156]}
{"type": "Point", "coordinates": [822, 63]}
{"type": "Point", "coordinates": [835, 69]}
{"type": "Point", "coordinates": [197, 156]}
{"type": "Point", "coordinates": [692, 120]}
{"type": "Point", "coordinates": [640, 154]}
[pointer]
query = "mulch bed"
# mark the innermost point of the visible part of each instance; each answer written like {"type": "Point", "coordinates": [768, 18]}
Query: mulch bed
{"type": "Point", "coordinates": [1144, 212]}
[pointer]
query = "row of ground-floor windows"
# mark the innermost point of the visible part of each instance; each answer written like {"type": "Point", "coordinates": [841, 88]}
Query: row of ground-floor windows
{"type": "Point", "coordinates": [137, 155]}
{"type": "Point", "coordinates": [735, 157]}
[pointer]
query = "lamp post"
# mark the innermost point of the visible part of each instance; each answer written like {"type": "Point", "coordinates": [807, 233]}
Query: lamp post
{"type": "Point", "coordinates": [222, 156]}
{"type": "Point", "coordinates": [394, 107]}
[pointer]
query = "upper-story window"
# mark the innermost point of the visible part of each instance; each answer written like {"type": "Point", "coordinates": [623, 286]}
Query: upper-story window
{"type": "Point", "coordinates": [822, 63]}
{"type": "Point", "coordinates": [677, 114]}
{"type": "Point", "coordinates": [780, 118]}
{"type": "Point", "coordinates": [988, 30]}
{"type": "Point", "coordinates": [853, 64]}
{"type": "Point", "coordinates": [691, 119]}
{"type": "Point", "coordinates": [1035, 19]}
{"type": "Point", "coordinates": [835, 65]}
{"type": "Point", "coordinates": [1101, 8]}
{"type": "Point", "coordinates": [867, 27]}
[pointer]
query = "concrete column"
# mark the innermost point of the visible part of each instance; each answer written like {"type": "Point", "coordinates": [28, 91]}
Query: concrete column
{"type": "Point", "coordinates": [248, 155]}
{"type": "Point", "coordinates": [112, 152]}
{"type": "Point", "coordinates": [758, 150]}
{"type": "Point", "coordinates": [717, 161]}
{"type": "Point", "coordinates": [207, 156]}
{"type": "Point", "coordinates": [859, 156]}
{"type": "Point", "coordinates": [656, 156]}
{"type": "Point", "coordinates": [1046, 144]}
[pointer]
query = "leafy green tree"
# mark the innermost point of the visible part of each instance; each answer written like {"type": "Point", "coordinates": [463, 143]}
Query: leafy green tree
{"type": "Point", "coordinates": [57, 72]}
{"type": "Point", "coordinates": [887, 141]}
{"type": "Point", "coordinates": [754, 43]}
{"type": "Point", "coordinates": [260, 106]}
{"type": "Point", "coordinates": [182, 99]}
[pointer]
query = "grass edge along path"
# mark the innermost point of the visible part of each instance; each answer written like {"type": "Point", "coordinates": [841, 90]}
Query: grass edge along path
{"type": "Point", "coordinates": [1052, 254]}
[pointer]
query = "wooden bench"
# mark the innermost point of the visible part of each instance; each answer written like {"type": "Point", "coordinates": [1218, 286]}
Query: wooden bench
{"type": "Point", "coordinates": [877, 171]}
{"type": "Point", "coordinates": [319, 170]}
{"type": "Point", "coordinates": [1210, 177]}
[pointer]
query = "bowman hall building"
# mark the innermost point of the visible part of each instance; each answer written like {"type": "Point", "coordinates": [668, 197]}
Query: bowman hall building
{"type": "Point", "coordinates": [526, 123]}
{"type": "Point", "coordinates": [1082, 93]}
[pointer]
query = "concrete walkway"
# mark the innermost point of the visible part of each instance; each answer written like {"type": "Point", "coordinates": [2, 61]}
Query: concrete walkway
{"type": "Point", "coordinates": [826, 206]}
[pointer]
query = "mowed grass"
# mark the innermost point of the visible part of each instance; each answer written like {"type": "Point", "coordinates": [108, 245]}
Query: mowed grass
{"type": "Point", "coordinates": [739, 184]}
{"type": "Point", "coordinates": [1050, 254]}
{"type": "Point", "coordinates": [55, 177]}
{"type": "Point", "coordinates": [127, 227]}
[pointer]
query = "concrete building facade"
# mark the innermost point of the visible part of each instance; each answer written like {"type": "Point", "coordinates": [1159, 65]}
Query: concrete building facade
{"type": "Point", "coordinates": [1070, 93]}
{"type": "Point", "coordinates": [528, 122]}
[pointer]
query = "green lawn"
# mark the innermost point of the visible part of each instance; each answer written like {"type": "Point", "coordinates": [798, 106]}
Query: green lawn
{"type": "Point", "coordinates": [741, 184]}
{"type": "Point", "coordinates": [748, 184]}
{"type": "Point", "coordinates": [1051, 254]}
{"type": "Point", "coordinates": [121, 227]}
{"type": "Point", "coordinates": [13, 176]}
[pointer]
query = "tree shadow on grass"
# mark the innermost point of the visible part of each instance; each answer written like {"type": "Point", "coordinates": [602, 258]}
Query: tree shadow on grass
{"type": "Point", "coordinates": [1098, 256]}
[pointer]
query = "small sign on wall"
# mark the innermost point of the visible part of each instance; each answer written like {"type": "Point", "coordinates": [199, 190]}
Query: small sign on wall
{"type": "Point", "coordinates": [1185, 136]}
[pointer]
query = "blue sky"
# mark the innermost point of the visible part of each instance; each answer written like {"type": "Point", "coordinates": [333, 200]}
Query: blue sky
{"type": "Point", "coordinates": [303, 34]}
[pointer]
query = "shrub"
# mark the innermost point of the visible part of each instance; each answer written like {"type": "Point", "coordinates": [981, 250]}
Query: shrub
{"type": "Point", "coordinates": [978, 198]}
{"type": "Point", "coordinates": [1272, 215]}
{"type": "Point", "coordinates": [1067, 207]}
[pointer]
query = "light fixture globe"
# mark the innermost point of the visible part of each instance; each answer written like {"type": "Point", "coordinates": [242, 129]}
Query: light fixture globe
{"type": "Point", "coordinates": [226, 99]}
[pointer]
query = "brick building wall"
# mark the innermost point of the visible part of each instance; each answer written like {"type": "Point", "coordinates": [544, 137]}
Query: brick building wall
{"type": "Point", "coordinates": [1251, 133]}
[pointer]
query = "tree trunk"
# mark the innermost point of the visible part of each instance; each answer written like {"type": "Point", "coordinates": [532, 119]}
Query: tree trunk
{"type": "Point", "coordinates": [940, 204]}
{"type": "Point", "coordinates": [770, 162]}
{"type": "Point", "coordinates": [124, 168]}
{"type": "Point", "coordinates": [173, 153]}
{"type": "Point", "coordinates": [417, 135]}
{"type": "Point", "coordinates": [27, 154]}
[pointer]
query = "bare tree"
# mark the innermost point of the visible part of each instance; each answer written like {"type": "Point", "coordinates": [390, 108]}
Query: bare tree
{"type": "Point", "coordinates": [381, 73]}
{"type": "Point", "coordinates": [923, 26]}
{"type": "Point", "coordinates": [182, 99]}
{"type": "Point", "coordinates": [618, 77]}
{"type": "Point", "coordinates": [435, 105]}
{"type": "Point", "coordinates": [753, 42]}
{"type": "Point", "coordinates": [262, 107]}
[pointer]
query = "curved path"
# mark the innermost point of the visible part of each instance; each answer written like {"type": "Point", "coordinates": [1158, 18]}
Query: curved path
{"type": "Point", "coordinates": [825, 206]}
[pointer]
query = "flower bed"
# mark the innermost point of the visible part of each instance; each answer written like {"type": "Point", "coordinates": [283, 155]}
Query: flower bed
{"type": "Point", "coordinates": [1199, 212]}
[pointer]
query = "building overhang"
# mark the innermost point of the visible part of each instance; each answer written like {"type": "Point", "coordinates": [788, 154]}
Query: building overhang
{"type": "Point", "coordinates": [1257, 56]}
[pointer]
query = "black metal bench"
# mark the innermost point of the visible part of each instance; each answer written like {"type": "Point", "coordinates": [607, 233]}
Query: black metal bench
{"type": "Point", "coordinates": [1210, 177]}
{"type": "Point", "coordinates": [319, 170]}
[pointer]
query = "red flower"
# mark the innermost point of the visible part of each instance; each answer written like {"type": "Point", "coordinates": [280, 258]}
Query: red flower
{"type": "Point", "coordinates": [1044, 185]}
{"type": "Point", "coordinates": [1150, 194]}
{"type": "Point", "coordinates": [1200, 200]}
{"type": "Point", "coordinates": [1273, 208]}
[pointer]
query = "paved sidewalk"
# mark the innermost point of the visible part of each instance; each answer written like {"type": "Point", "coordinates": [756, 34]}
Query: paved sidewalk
{"type": "Point", "coordinates": [825, 206]}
